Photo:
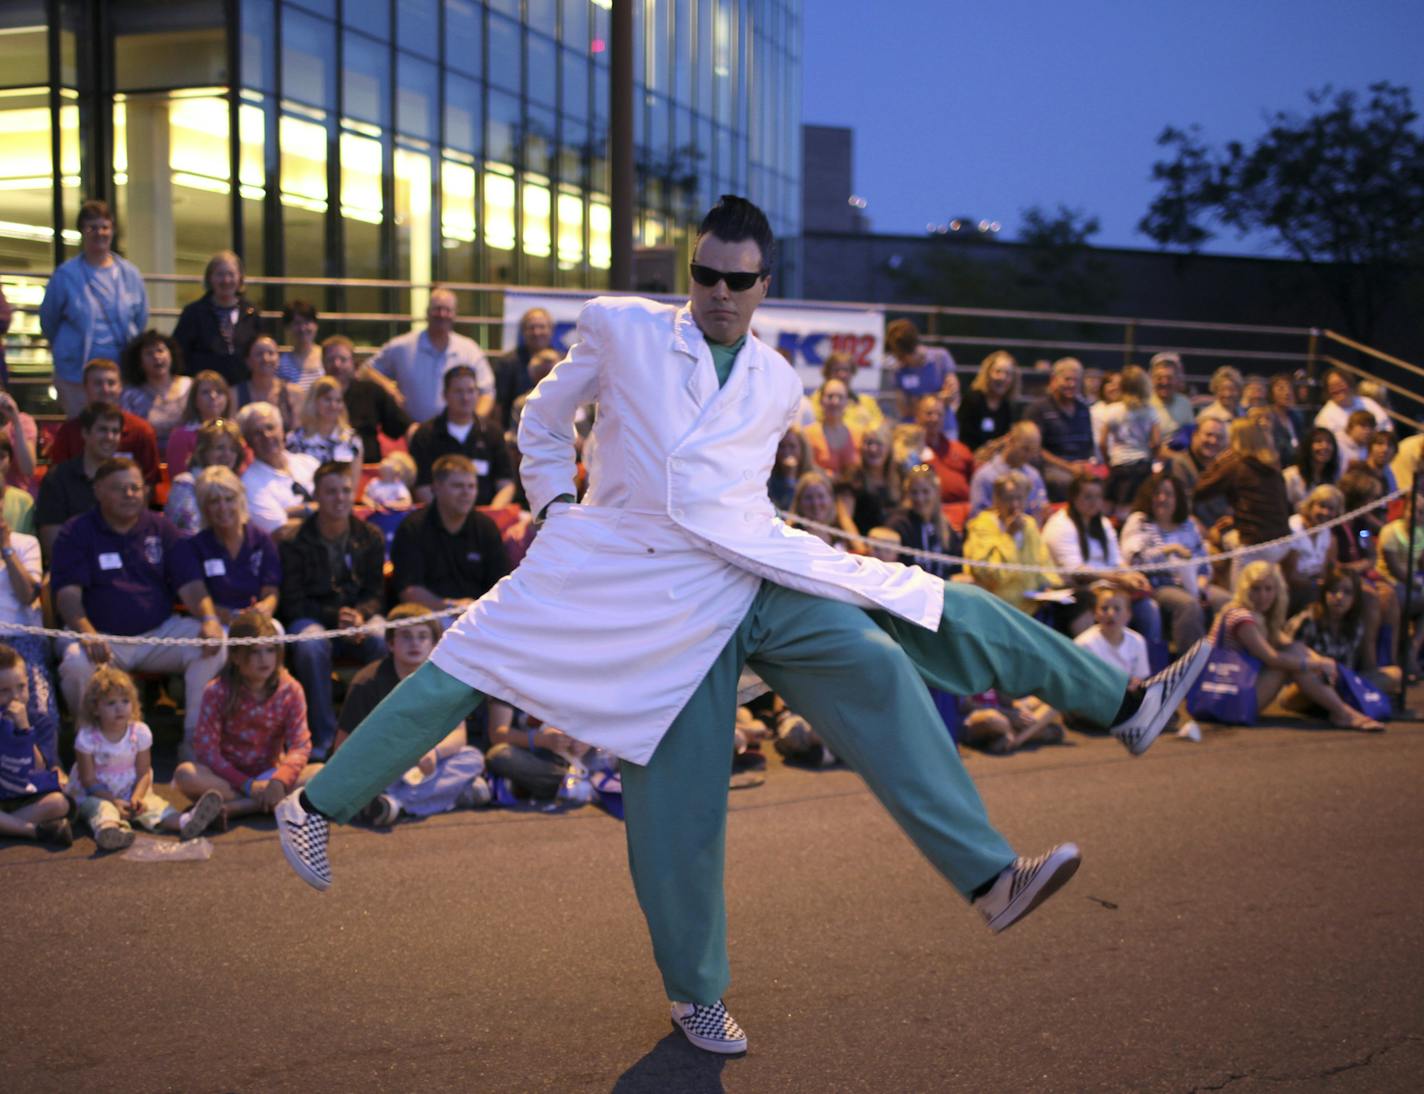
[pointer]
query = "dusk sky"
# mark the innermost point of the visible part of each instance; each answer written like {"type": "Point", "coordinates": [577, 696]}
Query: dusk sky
{"type": "Point", "coordinates": [981, 110]}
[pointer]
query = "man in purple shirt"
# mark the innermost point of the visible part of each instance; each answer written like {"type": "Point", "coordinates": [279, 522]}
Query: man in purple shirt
{"type": "Point", "coordinates": [116, 571]}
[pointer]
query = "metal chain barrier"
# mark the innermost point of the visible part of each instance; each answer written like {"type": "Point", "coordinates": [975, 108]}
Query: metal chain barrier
{"type": "Point", "coordinates": [308, 636]}
{"type": "Point", "coordinates": [790, 518]}
{"type": "Point", "coordinates": [1030, 568]}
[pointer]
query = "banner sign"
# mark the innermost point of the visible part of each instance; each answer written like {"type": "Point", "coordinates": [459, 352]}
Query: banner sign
{"type": "Point", "coordinates": [806, 333]}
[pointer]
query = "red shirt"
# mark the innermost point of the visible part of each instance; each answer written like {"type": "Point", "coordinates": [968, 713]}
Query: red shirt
{"type": "Point", "coordinates": [137, 441]}
{"type": "Point", "coordinates": [953, 463]}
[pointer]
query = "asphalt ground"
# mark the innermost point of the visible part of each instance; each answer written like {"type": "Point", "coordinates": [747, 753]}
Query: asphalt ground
{"type": "Point", "coordinates": [1247, 918]}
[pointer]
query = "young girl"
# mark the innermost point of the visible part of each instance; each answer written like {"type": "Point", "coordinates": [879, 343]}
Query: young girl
{"type": "Point", "coordinates": [324, 431]}
{"type": "Point", "coordinates": [390, 490]}
{"type": "Point", "coordinates": [1130, 435]}
{"type": "Point", "coordinates": [251, 742]}
{"type": "Point", "coordinates": [31, 804]}
{"type": "Point", "coordinates": [1253, 622]}
{"type": "Point", "coordinates": [209, 399]}
{"type": "Point", "coordinates": [1334, 626]}
{"type": "Point", "coordinates": [112, 780]}
{"type": "Point", "coordinates": [1396, 566]}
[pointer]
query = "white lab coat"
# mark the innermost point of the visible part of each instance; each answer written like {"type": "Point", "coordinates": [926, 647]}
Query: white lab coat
{"type": "Point", "coordinates": [624, 601]}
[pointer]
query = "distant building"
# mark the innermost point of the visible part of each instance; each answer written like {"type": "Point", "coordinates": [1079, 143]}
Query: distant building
{"type": "Point", "coordinates": [408, 139]}
{"type": "Point", "coordinates": [828, 198]}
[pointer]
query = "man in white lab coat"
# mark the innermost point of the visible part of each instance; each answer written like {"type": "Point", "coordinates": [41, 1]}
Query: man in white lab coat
{"type": "Point", "coordinates": [629, 621]}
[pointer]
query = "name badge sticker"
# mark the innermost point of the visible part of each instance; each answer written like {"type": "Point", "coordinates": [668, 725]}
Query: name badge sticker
{"type": "Point", "coordinates": [481, 466]}
{"type": "Point", "coordinates": [214, 567]}
{"type": "Point", "coordinates": [110, 560]}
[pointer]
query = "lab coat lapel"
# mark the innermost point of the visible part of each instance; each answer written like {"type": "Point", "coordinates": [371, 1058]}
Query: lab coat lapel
{"type": "Point", "coordinates": [687, 340]}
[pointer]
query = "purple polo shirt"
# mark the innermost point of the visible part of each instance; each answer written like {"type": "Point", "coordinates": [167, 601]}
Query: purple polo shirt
{"type": "Point", "coordinates": [233, 582]}
{"type": "Point", "coordinates": [130, 581]}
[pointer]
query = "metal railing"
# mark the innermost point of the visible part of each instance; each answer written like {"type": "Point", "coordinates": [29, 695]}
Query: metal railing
{"type": "Point", "coordinates": [1104, 341]}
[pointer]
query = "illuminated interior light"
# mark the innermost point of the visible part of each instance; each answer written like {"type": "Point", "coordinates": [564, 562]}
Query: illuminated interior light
{"type": "Point", "coordinates": [499, 211]}
{"type": "Point", "coordinates": [570, 230]}
{"type": "Point", "coordinates": [200, 182]}
{"type": "Point", "coordinates": [537, 239]}
{"type": "Point", "coordinates": [600, 233]}
{"type": "Point", "coordinates": [252, 193]}
{"type": "Point", "coordinates": [457, 206]}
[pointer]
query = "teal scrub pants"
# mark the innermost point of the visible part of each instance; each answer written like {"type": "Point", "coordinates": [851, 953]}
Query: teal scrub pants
{"type": "Point", "coordinates": [859, 679]}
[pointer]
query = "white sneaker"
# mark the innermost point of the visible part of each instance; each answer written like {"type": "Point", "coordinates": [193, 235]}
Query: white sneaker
{"type": "Point", "coordinates": [709, 1027]}
{"type": "Point", "coordinates": [1161, 695]}
{"type": "Point", "coordinates": [304, 837]}
{"type": "Point", "coordinates": [382, 811]}
{"type": "Point", "coordinates": [475, 795]}
{"type": "Point", "coordinates": [1026, 884]}
{"type": "Point", "coordinates": [1190, 731]}
{"type": "Point", "coordinates": [200, 818]}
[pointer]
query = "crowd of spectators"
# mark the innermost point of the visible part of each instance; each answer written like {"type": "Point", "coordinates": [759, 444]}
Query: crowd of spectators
{"type": "Point", "coordinates": [1101, 513]}
{"type": "Point", "coordinates": [213, 484]}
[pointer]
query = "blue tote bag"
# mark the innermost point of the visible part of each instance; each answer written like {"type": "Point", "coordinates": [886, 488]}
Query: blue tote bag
{"type": "Point", "coordinates": [1362, 695]}
{"type": "Point", "coordinates": [1226, 689]}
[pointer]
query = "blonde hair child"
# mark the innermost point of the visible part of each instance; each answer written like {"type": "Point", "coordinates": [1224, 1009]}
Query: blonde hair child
{"type": "Point", "coordinates": [390, 490]}
{"type": "Point", "coordinates": [112, 781]}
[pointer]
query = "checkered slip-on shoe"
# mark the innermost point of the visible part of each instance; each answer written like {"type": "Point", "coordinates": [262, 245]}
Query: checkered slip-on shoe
{"type": "Point", "coordinates": [1161, 695]}
{"type": "Point", "coordinates": [1026, 884]}
{"type": "Point", "coordinates": [709, 1027]}
{"type": "Point", "coordinates": [304, 838]}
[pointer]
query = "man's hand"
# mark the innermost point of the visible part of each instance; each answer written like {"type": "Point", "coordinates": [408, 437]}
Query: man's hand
{"type": "Point", "coordinates": [427, 763]}
{"type": "Point", "coordinates": [349, 617]}
{"type": "Point", "coordinates": [95, 648]}
{"type": "Point", "coordinates": [211, 629]}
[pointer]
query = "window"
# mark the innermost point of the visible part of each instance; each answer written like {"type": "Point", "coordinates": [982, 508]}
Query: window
{"type": "Point", "coordinates": [302, 144]}
{"type": "Point", "coordinates": [418, 27]}
{"type": "Point", "coordinates": [308, 59]}
{"type": "Point", "coordinates": [366, 81]}
{"type": "Point", "coordinates": [259, 33]}
{"type": "Point", "coordinates": [505, 53]}
{"type": "Point", "coordinates": [27, 181]}
{"type": "Point", "coordinates": [372, 16]}
{"type": "Point", "coordinates": [169, 43]}
{"type": "Point", "coordinates": [463, 117]}
{"type": "Point", "coordinates": [465, 36]}
{"type": "Point", "coordinates": [24, 44]}
{"type": "Point", "coordinates": [415, 97]}
{"type": "Point", "coordinates": [172, 178]}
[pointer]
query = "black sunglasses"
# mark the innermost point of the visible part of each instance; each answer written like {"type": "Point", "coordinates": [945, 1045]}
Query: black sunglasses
{"type": "Point", "coordinates": [737, 280]}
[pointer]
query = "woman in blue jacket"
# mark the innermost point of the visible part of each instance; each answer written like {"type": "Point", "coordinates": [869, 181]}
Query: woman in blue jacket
{"type": "Point", "coordinates": [94, 304]}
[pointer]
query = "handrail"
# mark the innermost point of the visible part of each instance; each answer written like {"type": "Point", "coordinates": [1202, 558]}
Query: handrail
{"type": "Point", "coordinates": [923, 309]}
{"type": "Point", "coordinates": [1372, 352]}
{"type": "Point", "coordinates": [1335, 363]}
{"type": "Point", "coordinates": [1058, 343]}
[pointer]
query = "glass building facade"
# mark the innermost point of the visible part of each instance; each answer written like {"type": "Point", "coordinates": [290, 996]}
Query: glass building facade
{"type": "Point", "coordinates": [412, 140]}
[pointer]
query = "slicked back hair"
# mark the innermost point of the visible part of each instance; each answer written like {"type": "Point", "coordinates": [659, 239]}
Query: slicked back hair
{"type": "Point", "coordinates": [734, 219]}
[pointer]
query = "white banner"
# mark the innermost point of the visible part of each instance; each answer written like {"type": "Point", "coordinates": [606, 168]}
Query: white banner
{"type": "Point", "coordinates": [806, 333]}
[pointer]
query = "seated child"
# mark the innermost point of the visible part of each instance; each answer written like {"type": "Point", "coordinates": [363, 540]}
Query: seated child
{"type": "Point", "coordinates": [251, 743]}
{"type": "Point", "coordinates": [1334, 627]}
{"type": "Point", "coordinates": [533, 761]}
{"type": "Point", "coordinates": [390, 489]}
{"type": "Point", "coordinates": [1254, 623]}
{"type": "Point", "coordinates": [112, 780]}
{"type": "Point", "coordinates": [999, 725]}
{"type": "Point", "coordinates": [1110, 640]}
{"type": "Point", "coordinates": [450, 775]}
{"type": "Point", "coordinates": [31, 803]}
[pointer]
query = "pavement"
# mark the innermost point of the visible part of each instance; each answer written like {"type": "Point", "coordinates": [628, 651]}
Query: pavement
{"type": "Point", "coordinates": [1247, 919]}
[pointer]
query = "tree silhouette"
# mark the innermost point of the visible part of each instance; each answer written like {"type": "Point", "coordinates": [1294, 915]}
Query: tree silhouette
{"type": "Point", "coordinates": [1340, 188]}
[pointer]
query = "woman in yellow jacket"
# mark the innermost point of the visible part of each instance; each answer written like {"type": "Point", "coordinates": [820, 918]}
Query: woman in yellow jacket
{"type": "Point", "coordinates": [1005, 533]}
